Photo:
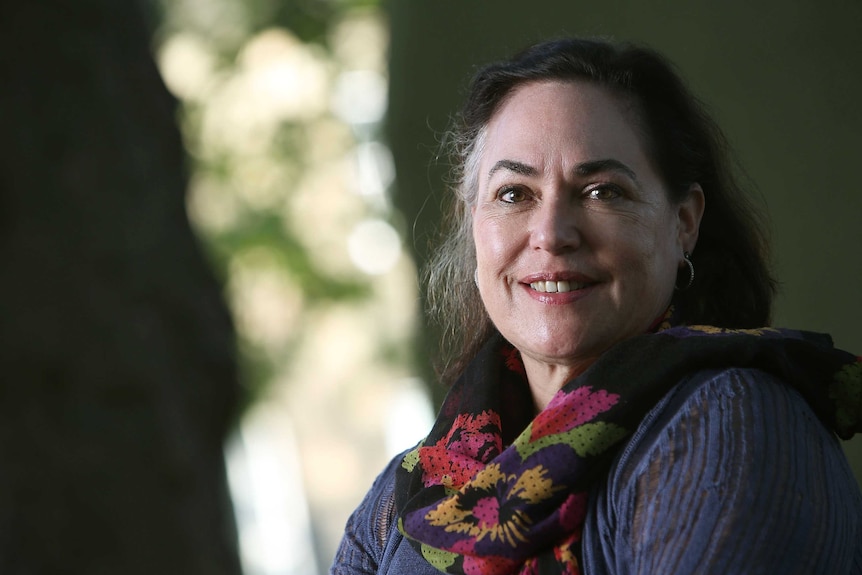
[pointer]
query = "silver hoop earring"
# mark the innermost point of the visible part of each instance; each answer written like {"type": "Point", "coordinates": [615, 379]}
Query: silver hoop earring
{"type": "Point", "coordinates": [476, 277]}
{"type": "Point", "coordinates": [687, 257]}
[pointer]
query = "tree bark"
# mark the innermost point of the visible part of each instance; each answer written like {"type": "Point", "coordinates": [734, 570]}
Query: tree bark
{"type": "Point", "coordinates": [117, 372]}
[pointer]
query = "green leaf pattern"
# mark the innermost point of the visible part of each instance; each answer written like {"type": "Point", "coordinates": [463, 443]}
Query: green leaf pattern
{"type": "Point", "coordinates": [587, 439]}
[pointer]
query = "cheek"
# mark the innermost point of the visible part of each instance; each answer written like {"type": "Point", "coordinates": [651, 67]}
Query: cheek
{"type": "Point", "coordinates": [645, 257]}
{"type": "Point", "coordinates": [494, 246]}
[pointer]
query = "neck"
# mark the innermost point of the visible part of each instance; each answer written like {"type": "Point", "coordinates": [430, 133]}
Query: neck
{"type": "Point", "coordinates": [546, 380]}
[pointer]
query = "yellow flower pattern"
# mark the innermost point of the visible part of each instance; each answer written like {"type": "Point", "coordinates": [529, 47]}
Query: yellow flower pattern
{"type": "Point", "coordinates": [483, 508]}
{"type": "Point", "coordinates": [713, 330]}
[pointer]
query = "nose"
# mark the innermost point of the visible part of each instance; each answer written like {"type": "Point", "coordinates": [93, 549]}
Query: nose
{"type": "Point", "coordinates": [555, 227]}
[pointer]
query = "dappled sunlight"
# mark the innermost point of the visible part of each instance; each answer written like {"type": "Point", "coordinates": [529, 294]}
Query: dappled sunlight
{"type": "Point", "coordinates": [375, 171]}
{"type": "Point", "coordinates": [322, 193]}
{"type": "Point", "coordinates": [374, 246]}
{"type": "Point", "coordinates": [266, 303]}
{"type": "Point", "coordinates": [269, 502]}
{"type": "Point", "coordinates": [359, 97]}
{"type": "Point", "coordinates": [212, 206]}
{"type": "Point", "coordinates": [276, 79]}
{"type": "Point", "coordinates": [361, 41]}
{"type": "Point", "coordinates": [290, 189]}
{"type": "Point", "coordinates": [188, 66]}
{"type": "Point", "coordinates": [283, 79]}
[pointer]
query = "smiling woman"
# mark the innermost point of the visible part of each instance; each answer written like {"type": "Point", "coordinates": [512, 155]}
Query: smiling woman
{"type": "Point", "coordinates": [611, 410]}
{"type": "Point", "coordinates": [571, 197]}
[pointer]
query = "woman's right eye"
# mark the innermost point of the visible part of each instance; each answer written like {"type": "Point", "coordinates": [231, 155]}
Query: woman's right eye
{"type": "Point", "coordinates": [511, 195]}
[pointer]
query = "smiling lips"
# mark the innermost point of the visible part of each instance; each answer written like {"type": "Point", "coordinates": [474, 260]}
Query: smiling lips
{"type": "Point", "coordinates": [561, 286]}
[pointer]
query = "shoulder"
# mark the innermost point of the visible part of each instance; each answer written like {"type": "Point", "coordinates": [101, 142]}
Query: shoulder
{"type": "Point", "coordinates": [730, 471]}
{"type": "Point", "coordinates": [369, 528]}
{"type": "Point", "coordinates": [731, 403]}
{"type": "Point", "coordinates": [739, 419]}
{"type": "Point", "coordinates": [371, 543]}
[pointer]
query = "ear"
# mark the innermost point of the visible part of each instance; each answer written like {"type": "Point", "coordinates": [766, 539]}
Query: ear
{"type": "Point", "coordinates": [690, 212]}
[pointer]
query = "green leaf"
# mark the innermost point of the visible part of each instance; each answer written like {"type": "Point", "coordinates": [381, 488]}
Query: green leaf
{"type": "Point", "coordinates": [587, 439]}
{"type": "Point", "coordinates": [439, 559]}
{"type": "Point", "coordinates": [411, 459]}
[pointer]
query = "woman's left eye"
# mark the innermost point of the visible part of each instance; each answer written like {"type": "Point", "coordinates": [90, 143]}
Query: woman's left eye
{"type": "Point", "coordinates": [604, 193]}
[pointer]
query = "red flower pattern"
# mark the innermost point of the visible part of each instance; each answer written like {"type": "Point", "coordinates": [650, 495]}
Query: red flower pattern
{"type": "Point", "coordinates": [569, 410]}
{"type": "Point", "coordinates": [458, 456]}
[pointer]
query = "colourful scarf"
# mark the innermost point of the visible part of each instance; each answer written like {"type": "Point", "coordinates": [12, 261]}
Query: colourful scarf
{"type": "Point", "coordinates": [478, 497]}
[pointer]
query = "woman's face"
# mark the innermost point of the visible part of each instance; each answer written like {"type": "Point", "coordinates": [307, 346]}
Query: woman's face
{"type": "Point", "coordinates": [577, 244]}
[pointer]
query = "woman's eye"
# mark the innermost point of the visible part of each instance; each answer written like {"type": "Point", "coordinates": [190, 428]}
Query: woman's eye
{"type": "Point", "coordinates": [512, 195]}
{"type": "Point", "coordinates": [604, 193]}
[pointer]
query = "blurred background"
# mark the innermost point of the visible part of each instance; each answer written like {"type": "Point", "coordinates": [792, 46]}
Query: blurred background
{"type": "Point", "coordinates": [213, 214]}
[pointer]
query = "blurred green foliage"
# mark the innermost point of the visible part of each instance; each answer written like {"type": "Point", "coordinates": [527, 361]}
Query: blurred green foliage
{"type": "Point", "coordinates": [228, 23]}
{"type": "Point", "coordinates": [224, 28]}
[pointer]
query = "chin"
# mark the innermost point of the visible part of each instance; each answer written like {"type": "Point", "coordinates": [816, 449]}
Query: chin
{"type": "Point", "coordinates": [553, 353]}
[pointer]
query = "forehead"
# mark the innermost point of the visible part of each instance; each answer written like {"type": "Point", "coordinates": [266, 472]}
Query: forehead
{"type": "Point", "coordinates": [547, 120]}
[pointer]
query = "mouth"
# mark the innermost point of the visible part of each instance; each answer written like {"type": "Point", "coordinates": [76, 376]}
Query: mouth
{"type": "Point", "coordinates": [561, 286]}
{"type": "Point", "coordinates": [542, 285]}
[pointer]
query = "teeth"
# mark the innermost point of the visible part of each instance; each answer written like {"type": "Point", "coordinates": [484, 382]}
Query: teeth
{"type": "Point", "coordinates": [556, 287]}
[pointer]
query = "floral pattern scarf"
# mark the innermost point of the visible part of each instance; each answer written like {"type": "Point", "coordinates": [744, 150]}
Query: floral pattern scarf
{"type": "Point", "coordinates": [495, 490]}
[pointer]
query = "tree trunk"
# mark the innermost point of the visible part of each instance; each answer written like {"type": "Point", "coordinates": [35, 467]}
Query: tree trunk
{"type": "Point", "coordinates": [117, 369]}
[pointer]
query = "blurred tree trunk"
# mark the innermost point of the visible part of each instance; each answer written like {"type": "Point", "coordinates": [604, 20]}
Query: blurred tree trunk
{"type": "Point", "coordinates": [117, 371]}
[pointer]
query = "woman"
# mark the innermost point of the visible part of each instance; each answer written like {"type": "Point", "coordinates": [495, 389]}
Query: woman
{"type": "Point", "coordinates": [616, 406]}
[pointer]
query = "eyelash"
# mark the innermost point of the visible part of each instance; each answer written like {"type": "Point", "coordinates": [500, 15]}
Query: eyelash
{"type": "Point", "coordinates": [615, 190]}
{"type": "Point", "coordinates": [506, 191]}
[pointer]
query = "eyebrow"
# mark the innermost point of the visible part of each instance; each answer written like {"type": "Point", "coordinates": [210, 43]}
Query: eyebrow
{"type": "Point", "coordinates": [583, 169]}
{"type": "Point", "coordinates": [513, 166]}
{"type": "Point", "coordinates": [606, 165]}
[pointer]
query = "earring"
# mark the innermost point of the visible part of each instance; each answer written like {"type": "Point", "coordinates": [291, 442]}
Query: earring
{"type": "Point", "coordinates": [687, 257]}
{"type": "Point", "coordinates": [476, 277]}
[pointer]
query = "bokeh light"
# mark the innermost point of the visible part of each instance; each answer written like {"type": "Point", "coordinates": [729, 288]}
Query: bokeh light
{"type": "Point", "coordinates": [290, 190]}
